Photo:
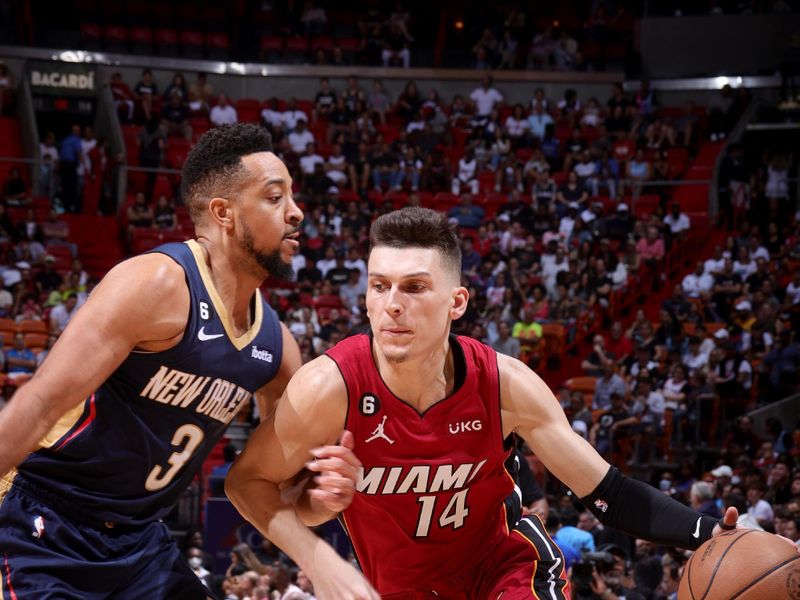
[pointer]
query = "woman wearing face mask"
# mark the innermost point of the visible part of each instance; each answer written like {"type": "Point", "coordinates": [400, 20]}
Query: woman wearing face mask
{"type": "Point", "coordinates": [194, 556]}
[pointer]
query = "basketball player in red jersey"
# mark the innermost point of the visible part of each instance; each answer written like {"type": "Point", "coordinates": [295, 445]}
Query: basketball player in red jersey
{"type": "Point", "coordinates": [431, 414]}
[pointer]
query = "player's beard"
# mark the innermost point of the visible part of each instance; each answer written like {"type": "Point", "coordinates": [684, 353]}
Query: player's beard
{"type": "Point", "coordinates": [396, 357]}
{"type": "Point", "coordinates": [271, 262]}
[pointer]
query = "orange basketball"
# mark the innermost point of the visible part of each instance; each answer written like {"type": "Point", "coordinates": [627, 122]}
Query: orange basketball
{"type": "Point", "coordinates": [743, 564]}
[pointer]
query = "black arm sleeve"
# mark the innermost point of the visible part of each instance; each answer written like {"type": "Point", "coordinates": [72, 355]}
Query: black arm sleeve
{"type": "Point", "coordinates": [645, 512]}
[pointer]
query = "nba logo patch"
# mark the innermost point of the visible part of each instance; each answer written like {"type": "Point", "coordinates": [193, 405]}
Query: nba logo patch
{"type": "Point", "coordinates": [601, 504]}
{"type": "Point", "coordinates": [38, 524]}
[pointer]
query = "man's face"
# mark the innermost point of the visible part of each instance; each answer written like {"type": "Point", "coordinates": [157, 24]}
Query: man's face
{"type": "Point", "coordinates": [780, 472]}
{"type": "Point", "coordinates": [265, 215]}
{"type": "Point", "coordinates": [411, 300]}
{"type": "Point", "coordinates": [586, 521]}
{"type": "Point", "coordinates": [753, 495]}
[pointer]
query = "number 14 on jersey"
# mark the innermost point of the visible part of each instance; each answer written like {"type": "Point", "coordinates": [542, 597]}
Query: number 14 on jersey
{"type": "Point", "coordinates": [454, 514]}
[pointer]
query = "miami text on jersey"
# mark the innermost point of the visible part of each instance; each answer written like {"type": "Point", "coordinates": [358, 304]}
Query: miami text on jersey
{"type": "Point", "coordinates": [416, 478]}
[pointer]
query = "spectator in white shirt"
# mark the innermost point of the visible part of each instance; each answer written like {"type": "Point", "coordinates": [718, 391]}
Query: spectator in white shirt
{"type": "Point", "coordinates": [310, 159]}
{"type": "Point", "coordinates": [567, 223]}
{"type": "Point", "coordinates": [223, 113]}
{"type": "Point", "coordinates": [485, 98]}
{"type": "Point", "coordinates": [516, 124]}
{"type": "Point", "coordinates": [327, 263]}
{"type": "Point", "coordinates": [699, 283]}
{"type": "Point", "coordinates": [758, 508]}
{"type": "Point", "coordinates": [272, 117]}
{"type": "Point", "coordinates": [62, 313]}
{"type": "Point", "coordinates": [694, 358]}
{"type": "Point", "coordinates": [467, 172]}
{"type": "Point", "coordinates": [715, 264]}
{"type": "Point", "coordinates": [292, 115]}
{"type": "Point", "coordinates": [744, 265]}
{"type": "Point", "coordinates": [48, 147]}
{"type": "Point", "coordinates": [552, 265]}
{"type": "Point", "coordinates": [756, 249]}
{"type": "Point", "coordinates": [586, 170]}
{"type": "Point", "coordinates": [677, 221]}
{"type": "Point", "coordinates": [793, 289]}
{"type": "Point", "coordinates": [300, 138]}
{"type": "Point", "coordinates": [354, 261]}
{"type": "Point", "coordinates": [336, 167]}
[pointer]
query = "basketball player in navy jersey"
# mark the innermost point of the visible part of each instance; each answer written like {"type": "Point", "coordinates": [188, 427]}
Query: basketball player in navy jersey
{"type": "Point", "coordinates": [98, 446]}
{"type": "Point", "coordinates": [432, 415]}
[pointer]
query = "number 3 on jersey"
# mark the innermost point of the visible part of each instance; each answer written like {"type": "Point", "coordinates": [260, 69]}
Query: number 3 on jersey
{"type": "Point", "coordinates": [454, 513]}
{"type": "Point", "coordinates": [159, 478]}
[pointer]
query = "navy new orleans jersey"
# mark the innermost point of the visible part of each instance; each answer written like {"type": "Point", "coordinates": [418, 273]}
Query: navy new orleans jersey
{"type": "Point", "coordinates": [128, 451]}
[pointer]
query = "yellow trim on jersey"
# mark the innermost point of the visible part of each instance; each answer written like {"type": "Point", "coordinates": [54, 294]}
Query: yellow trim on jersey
{"type": "Point", "coordinates": [63, 425]}
{"type": "Point", "coordinates": [6, 481]}
{"type": "Point", "coordinates": [239, 342]}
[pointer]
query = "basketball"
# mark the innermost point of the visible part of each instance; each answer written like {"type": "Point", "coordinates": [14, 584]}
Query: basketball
{"type": "Point", "coordinates": [745, 564]}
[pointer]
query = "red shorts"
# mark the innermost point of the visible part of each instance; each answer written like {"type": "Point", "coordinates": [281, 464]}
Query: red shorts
{"type": "Point", "coordinates": [527, 565]}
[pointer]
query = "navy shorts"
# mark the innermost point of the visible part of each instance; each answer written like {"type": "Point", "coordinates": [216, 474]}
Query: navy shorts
{"type": "Point", "coordinates": [45, 555]}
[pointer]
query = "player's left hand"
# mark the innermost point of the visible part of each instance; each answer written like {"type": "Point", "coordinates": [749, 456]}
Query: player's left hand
{"type": "Point", "coordinates": [729, 518]}
{"type": "Point", "coordinates": [338, 470]}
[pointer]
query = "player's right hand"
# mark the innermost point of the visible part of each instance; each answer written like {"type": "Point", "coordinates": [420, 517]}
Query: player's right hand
{"type": "Point", "coordinates": [342, 581]}
{"type": "Point", "coordinates": [337, 469]}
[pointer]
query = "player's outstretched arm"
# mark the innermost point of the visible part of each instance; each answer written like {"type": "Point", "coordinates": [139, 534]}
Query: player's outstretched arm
{"type": "Point", "coordinates": [143, 300]}
{"type": "Point", "coordinates": [310, 414]}
{"type": "Point", "coordinates": [530, 409]}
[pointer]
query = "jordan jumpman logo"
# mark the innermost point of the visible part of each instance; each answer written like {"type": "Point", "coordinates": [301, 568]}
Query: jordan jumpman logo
{"type": "Point", "coordinates": [378, 432]}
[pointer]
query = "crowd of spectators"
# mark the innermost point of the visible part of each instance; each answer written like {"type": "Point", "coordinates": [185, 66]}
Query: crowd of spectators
{"type": "Point", "coordinates": [763, 484]}
{"type": "Point", "coordinates": [544, 196]}
{"type": "Point", "coordinates": [77, 174]}
{"type": "Point", "coordinates": [516, 36]}
{"type": "Point", "coordinates": [43, 284]}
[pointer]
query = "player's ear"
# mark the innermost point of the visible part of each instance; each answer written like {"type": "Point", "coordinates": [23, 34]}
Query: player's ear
{"type": "Point", "coordinates": [460, 299]}
{"type": "Point", "coordinates": [221, 211]}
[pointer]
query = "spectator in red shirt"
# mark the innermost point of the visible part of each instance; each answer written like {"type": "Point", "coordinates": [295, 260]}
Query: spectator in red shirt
{"type": "Point", "coordinates": [617, 345]}
{"type": "Point", "coordinates": [123, 97]}
{"type": "Point", "coordinates": [651, 247]}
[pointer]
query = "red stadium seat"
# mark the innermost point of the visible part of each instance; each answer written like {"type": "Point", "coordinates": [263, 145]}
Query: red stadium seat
{"type": "Point", "coordinates": [191, 43]}
{"type": "Point", "coordinates": [162, 187]}
{"type": "Point", "coordinates": [248, 110]}
{"type": "Point", "coordinates": [217, 45]}
{"type": "Point", "coordinates": [141, 40]}
{"type": "Point", "coordinates": [322, 42]}
{"type": "Point", "coordinates": [348, 195]}
{"type": "Point", "coordinates": [35, 341]}
{"type": "Point", "coordinates": [33, 326]}
{"type": "Point", "coordinates": [271, 47]}
{"type": "Point", "coordinates": [444, 201]}
{"type": "Point", "coordinates": [645, 205]}
{"type": "Point", "coordinates": [349, 45]}
{"type": "Point", "coordinates": [116, 37]}
{"type": "Point", "coordinates": [91, 35]}
{"type": "Point", "coordinates": [398, 199]}
{"type": "Point", "coordinates": [166, 41]}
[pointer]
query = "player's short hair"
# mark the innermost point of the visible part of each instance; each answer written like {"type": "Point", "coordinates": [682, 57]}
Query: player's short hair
{"type": "Point", "coordinates": [415, 227]}
{"type": "Point", "coordinates": [214, 165]}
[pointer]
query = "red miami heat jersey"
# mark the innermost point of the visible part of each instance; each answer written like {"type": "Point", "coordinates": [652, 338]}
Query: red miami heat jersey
{"type": "Point", "coordinates": [430, 497]}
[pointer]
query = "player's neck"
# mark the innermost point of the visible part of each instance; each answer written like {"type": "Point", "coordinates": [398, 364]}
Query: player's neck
{"type": "Point", "coordinates": [422, 381]}
{"type": "Point", "coordinates": [234, 285]}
